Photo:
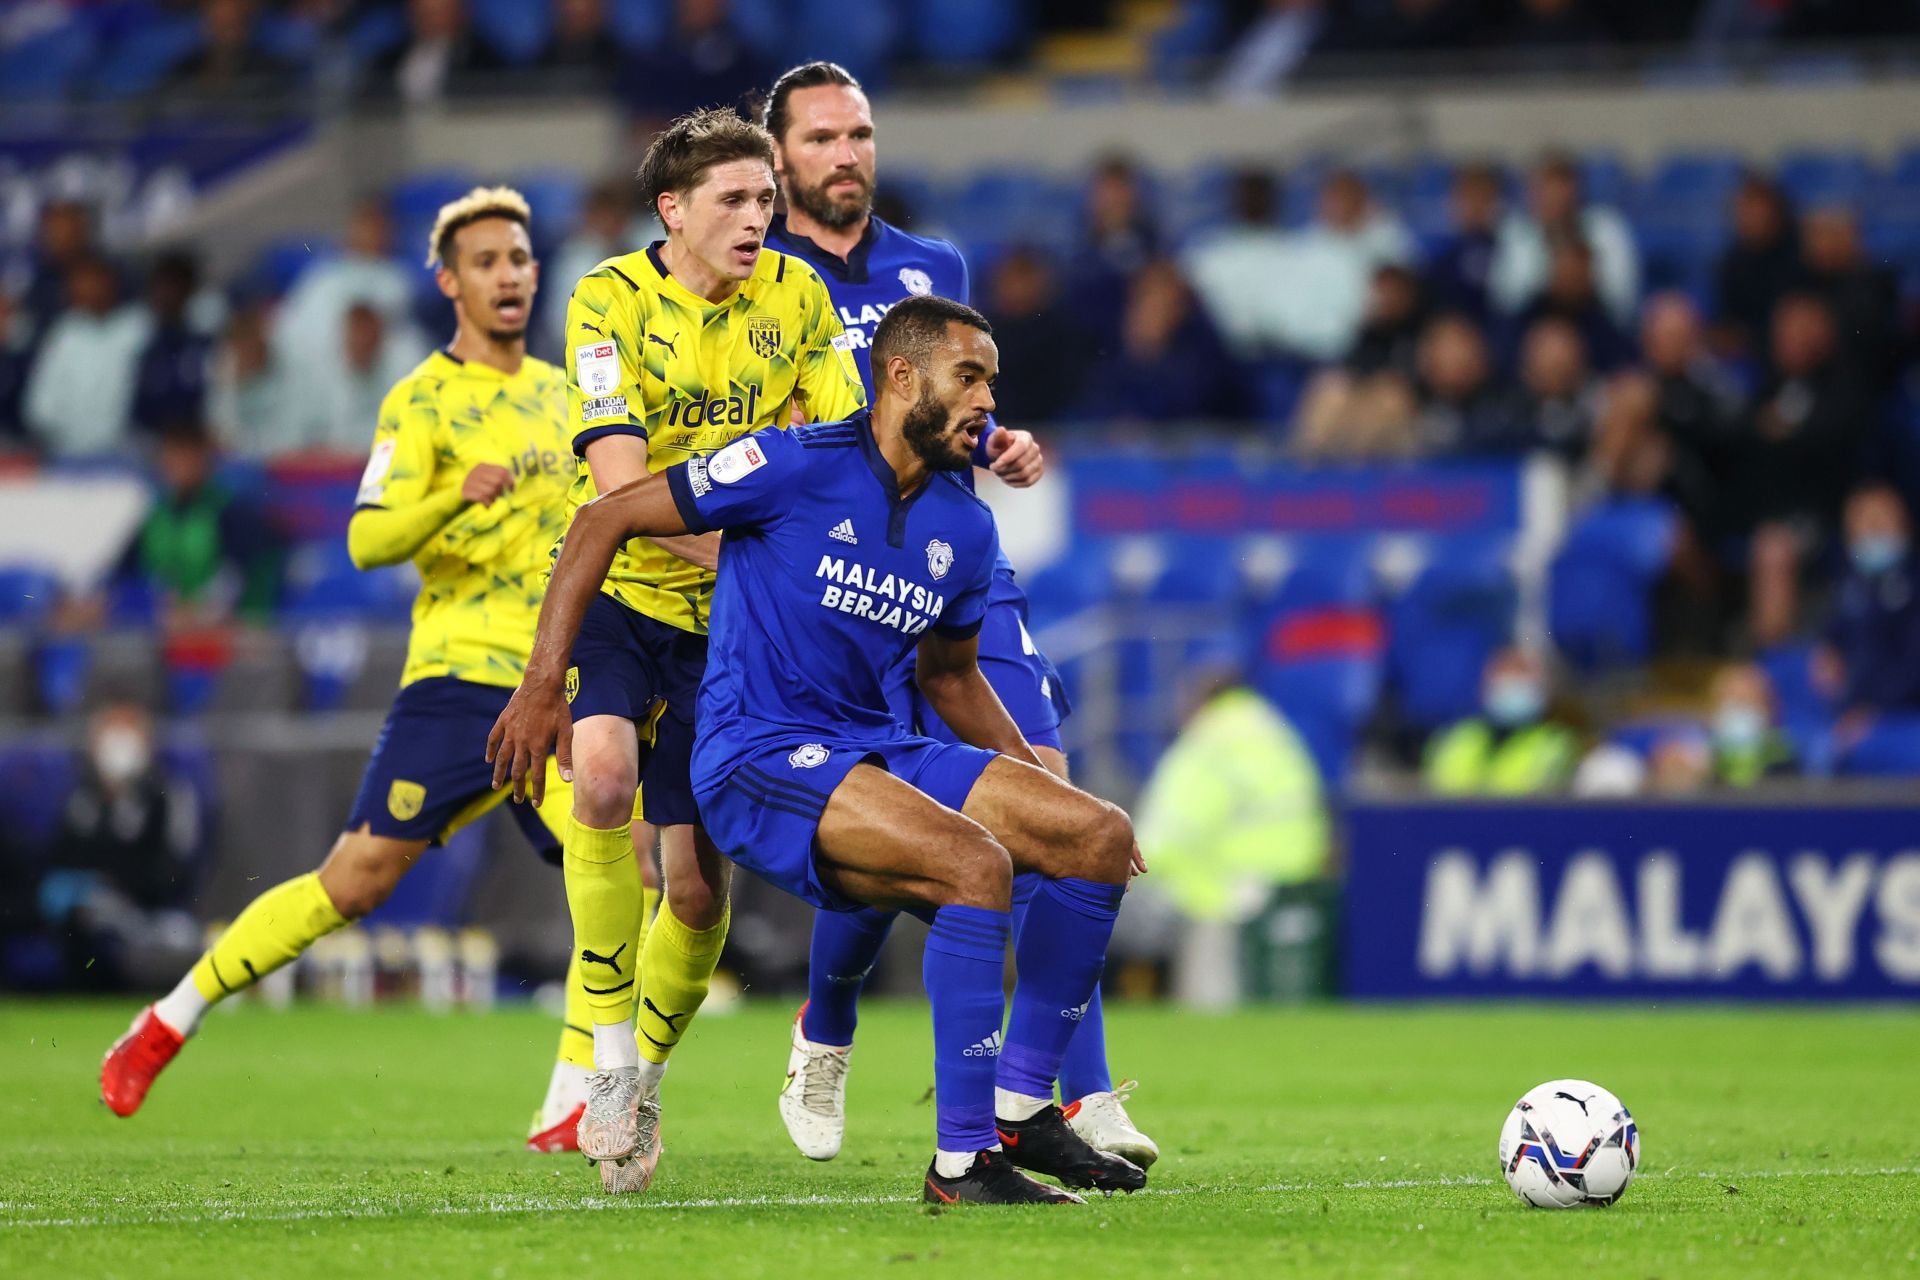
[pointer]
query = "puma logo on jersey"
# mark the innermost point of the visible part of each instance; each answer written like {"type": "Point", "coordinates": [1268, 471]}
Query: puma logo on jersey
{"type": "Point", "coordinates": [666, 342]}
{"type": "Point", "coordinates": [593, 328]}
{"type": "Point", "coordinates": [612, 962]}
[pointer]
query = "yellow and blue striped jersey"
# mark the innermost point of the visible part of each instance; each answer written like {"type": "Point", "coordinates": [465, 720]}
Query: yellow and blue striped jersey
{"type": "Point", "coordinates": [483, 574]}
{"type": "Point", "coordinates": [647, 357]}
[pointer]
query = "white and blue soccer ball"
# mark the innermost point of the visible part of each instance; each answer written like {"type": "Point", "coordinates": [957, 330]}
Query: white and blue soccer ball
{"type": "Point", "coordinates": [1569, 1143]}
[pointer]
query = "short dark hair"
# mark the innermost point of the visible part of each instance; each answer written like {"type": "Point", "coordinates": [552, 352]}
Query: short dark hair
{"type": "Point", "coordinates": [808, 75]}
{"type": "Point", "coordinates": [681, 155]}
{"type": "Point", "coordinates": [916, 326]}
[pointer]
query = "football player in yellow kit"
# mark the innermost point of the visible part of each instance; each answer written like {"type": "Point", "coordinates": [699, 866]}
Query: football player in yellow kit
{"type": "Point", "coordinates": [674, 352]}
{"type": "Point", "coordinates": [468, 478]}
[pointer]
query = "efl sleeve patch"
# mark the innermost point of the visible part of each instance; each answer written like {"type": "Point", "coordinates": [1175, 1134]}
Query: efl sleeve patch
{"type": "Point", "coordinates": [373, 481]}
{"type": "Point", "coordinates": [740, 459]}
{"type": "Point", "coordinates": [597, 368]}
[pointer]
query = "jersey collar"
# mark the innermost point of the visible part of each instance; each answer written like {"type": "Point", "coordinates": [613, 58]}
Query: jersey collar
{"type": "Point", "coordinates": [897, 507]}
{"type": "Point", "coordinates": [673, 286]}
{"type": "Point", "coordinates": [849, 270]}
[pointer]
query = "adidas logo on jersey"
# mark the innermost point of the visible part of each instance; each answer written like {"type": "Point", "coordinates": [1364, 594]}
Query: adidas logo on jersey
{"type": "Point", "coordinates": [1074, 1015]}
{"type": "Point", "coordinates": [844, 531]}
{"type": "Point", "coordinates": [988, 1048]}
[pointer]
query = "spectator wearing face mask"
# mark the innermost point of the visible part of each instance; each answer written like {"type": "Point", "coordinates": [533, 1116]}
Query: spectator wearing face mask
{"type": "Point", "coordinates": [1870, 659]}
{"type": "Point", "coordinates": [125, 863]}
{"type": "Point", "coordinates": [1514, 747]}
{"type": "Point", "coordinates": [1747, 742]}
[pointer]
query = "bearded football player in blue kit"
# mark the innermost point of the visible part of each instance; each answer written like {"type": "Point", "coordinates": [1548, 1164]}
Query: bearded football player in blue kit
{"type": "Point", "coordinates": [846, 546]}
{"type": "Point", "coordinates": [823, 134]}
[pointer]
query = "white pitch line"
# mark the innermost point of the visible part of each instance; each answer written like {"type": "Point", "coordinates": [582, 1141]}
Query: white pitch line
{"type": "Point", "coordinates": [559, 1204]}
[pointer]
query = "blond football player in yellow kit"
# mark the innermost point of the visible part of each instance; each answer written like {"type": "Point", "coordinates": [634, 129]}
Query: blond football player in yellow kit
{"type": "Point", "coordinates": [468, 478]}
{"type": "Point", "coordinates": [674, 351]}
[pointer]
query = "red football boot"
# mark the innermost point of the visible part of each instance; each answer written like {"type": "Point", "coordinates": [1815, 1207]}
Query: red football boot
{"type": "Point", "coordinates": [135, 1059]}
{"type": "Point", "coordinates": [563, 1136]}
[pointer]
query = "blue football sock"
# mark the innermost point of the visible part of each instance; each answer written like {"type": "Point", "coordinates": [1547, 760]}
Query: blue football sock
{"type": "Point", "coordinates": [845, 945]}
{"type": "Point", "coordinates": [1061, 951]}
{"type": "Point", "coordinates": [966, 955]}
{"type": "Point", "coordinates": [1084, 1068]}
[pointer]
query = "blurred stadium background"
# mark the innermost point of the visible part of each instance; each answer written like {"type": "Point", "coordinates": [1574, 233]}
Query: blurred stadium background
{"type": "Point", "coordinates": [1516, 397]}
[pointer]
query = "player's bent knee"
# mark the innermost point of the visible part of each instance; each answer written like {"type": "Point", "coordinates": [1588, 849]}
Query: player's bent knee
{"type": "Point", "coordinates": [603, 798]}
{"type": "Point", "coordinates": [1109, 842]}
{"type": "Point", "coordinates": [695, 902]}
{"type": "Point", "coordinates": [363, 870]}
{"type": "Point", "coordinates": [978, 873]}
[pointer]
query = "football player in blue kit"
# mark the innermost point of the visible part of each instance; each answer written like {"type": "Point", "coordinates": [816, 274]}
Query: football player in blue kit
{"type": "Point", "coordinates": [846, 546]}
{"type": "Point", "coordinates": [823, 134]}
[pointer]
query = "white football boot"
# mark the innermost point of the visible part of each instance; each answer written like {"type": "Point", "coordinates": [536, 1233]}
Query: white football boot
{"type": "Point", "coordinates": [635, 1174]}
{"type": "Point", "coordinates": [813, 1103]}
{"type": "Point", "coordinates": [610, 1126]}
{"type": "Point", "coordinates": [1102, 1121]}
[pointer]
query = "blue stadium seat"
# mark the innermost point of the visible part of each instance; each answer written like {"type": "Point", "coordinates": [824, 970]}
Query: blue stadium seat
{"type": "Point", "coordinates": [323, 584]}
{"type": "Point", "coordinates": [556, 196]}
{"type": "Point", "coordinates": [1690, 187]}
{"type": "Point", "coordinates": [639, 24]}
{"type": "Point", "coordinates": [1598, 597]}
{"type": "Point", "coordinates": [516, 30]}
{"type": "Point", "coordinates": [1328, 701]}
{"type": "Point", "coordinates": [767, 25]}
{"type": "Point", "coordinates": [859, 34]}
{"type": "Point", "coordinates": [1607, 179]}
{"type": "Point", "coordinates": [35, 779]}
{"type": "Point", "coordinates": [1815, 178]}
{"type": "Point", "coordinates": [1890, 749]}
{"type": "Point", "coordinates": [1458, 611]}
{"type": "Point", "coordinates": [142, 58]}
{"type": "Point", "coordinates": [27, 594]}
{"type": "Point", "coordinates": [965, 31]}
{"type": "Point", "coordinates": [376, 34]}
{"type": "Point", "coordinates": [1790, 669]}
{"type": "Point", "coordinates": [420, 195]}
{"type": "Point", "coordinates": [1192, 39]}
{"type": "Point", "coordinates": [49, 65]}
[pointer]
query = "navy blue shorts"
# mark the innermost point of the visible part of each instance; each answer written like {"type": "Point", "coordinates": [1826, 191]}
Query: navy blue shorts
{"type": "Point", "coordinates": [1028, 686]}
{"type": "Point", "coordinates": [429, 774]}
{"type": "Point", "coordinates": [638, 668]}
{"type": "Point", "coordinates": [765, 810]}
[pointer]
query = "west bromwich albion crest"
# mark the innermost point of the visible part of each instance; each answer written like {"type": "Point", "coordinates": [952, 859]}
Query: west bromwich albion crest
{"type": "Point", "coordinates": [939, 559]}
{"type": "Point", "coordinates": [405, 798]}
{"type": "Point", "coordinates": [763, 335]}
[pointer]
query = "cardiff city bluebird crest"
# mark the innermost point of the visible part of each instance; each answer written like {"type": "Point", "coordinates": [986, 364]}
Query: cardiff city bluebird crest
{"type": "Point", "coordinates": [916, 281]}
{"type": "Point", "coordinates": [939, 559]}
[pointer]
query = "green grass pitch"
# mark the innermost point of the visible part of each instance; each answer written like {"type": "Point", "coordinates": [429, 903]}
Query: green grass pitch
{"type": "Point", "coordinates": [1334, 1141]}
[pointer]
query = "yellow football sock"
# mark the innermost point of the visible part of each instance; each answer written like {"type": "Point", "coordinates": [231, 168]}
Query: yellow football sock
{"type": "Point", "coordinates": [274, 929]}
{"type": "Point", "coordinates": [677, 968]}
{"type": "Point", "coordinates": [604, 899]}
{"type": "Point", "coordinates": [576, 1033]}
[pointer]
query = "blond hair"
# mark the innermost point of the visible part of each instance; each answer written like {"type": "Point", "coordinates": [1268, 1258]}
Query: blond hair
{"type": "Point", "coordinates": [481, 202]}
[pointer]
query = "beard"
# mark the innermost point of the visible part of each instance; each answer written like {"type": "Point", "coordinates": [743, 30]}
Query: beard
{"type": "Point", "coordinates": [816, 204]}
{"type": "Point", "coordinates": [507, 335]}
{"type": "Point", "coordinates": [925, 429]}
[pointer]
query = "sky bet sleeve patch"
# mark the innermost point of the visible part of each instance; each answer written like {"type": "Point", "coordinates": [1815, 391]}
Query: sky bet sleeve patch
{"type": "Point", "coordinates": [597, 366]}
{"type": "Point", "coordinates": [842, 344]}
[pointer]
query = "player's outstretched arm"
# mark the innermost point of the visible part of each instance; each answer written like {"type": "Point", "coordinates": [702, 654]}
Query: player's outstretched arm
{"type": "Point", "coordinates": [948, 672]}
{"type": "Point", "coordinates": [536, 722]}
{"type": "Point", "coordinates": [378, 536]}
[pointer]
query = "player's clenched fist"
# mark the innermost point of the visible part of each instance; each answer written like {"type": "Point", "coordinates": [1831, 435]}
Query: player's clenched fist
{"type": "Point", "coordinates": [485, 483]}
{"type": "Point", "coordinates": [1015, 457]}
{"type": "Point", "coordinates": [535, 724]}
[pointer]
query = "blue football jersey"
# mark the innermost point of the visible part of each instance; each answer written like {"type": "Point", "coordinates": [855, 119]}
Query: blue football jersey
{"type": "Point", "coordinates": [887, 266]}
{"type": "Point", "coordinates": [828, 579]}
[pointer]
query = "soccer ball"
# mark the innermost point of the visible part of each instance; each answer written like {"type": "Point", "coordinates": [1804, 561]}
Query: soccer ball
{"type": "Point", "coordinates": [1568, 1143]}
